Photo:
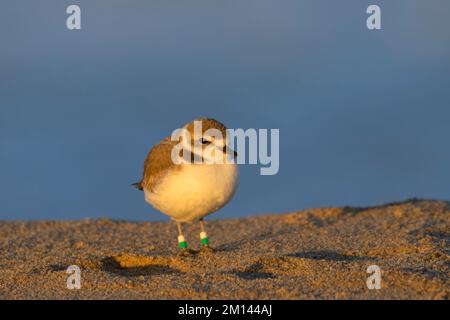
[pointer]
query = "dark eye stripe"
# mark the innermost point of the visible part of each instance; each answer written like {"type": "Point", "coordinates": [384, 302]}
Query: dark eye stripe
{"type": "Point", "coordinates": [203, 141]}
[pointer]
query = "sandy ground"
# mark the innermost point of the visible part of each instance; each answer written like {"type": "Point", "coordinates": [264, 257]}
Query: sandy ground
{"type": "Point", "coordinates": [312, 254]}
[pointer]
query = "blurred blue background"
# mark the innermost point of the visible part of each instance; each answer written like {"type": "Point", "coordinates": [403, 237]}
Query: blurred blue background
{"type": "Point", "coordinates": [364, 116]}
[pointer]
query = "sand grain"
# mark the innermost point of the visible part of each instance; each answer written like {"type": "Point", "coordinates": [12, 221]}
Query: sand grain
{"type": "Point", "coordinates": [312, 254]}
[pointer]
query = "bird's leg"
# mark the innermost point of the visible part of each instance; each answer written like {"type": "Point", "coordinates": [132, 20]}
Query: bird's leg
{"type": "Point", "coordinates": [203, 236]}
{"type": "Point", "coordinates": [181, 240]}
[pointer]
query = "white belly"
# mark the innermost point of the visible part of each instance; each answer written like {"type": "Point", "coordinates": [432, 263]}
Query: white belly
{"type": "Point", "coordinates": [194, 191]}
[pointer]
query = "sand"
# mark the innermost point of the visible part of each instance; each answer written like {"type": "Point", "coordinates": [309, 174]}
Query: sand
{"type": "Point", "coordinates": [311, 254]}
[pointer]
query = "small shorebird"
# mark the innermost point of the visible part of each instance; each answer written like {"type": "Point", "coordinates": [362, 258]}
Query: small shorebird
{"type": "Point", "coordinates": [189, 191]}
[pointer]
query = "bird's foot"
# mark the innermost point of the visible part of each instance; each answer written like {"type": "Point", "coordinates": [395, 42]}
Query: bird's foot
{"type": "Point", "coordinates": [206, 249]}
{"type": "Point", "coordinates": [185, 252]}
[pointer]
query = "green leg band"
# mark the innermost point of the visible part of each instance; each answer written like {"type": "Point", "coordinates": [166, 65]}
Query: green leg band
{"type": "Point", "coordinates": [204, 241]}
{"type": "Point", "coordinates": [204, 238]}
{"type": "Point", "coordinates": [182, 245]}
{"type": "Point", "coordinates": [182, 242]}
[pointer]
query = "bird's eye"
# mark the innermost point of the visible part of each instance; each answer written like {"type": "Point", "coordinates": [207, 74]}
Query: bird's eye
{"type": "Point", "coordinates": [204, 141]}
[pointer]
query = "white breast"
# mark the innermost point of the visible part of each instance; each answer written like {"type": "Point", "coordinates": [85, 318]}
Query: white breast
{"type": "Point", "coordinates": [194, 191]}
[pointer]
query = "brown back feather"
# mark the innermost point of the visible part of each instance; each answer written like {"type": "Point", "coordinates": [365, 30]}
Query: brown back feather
{"type": "Point", "coordinates": [159, 161]}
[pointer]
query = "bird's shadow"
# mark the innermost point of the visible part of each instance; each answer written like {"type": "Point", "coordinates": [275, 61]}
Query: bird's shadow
{"type": "Point", "coordinates": [328, 255]}
{"type": "Point", "coordinates": [235, 245]}
{"type": "Point", "coordinates": [252, 275]}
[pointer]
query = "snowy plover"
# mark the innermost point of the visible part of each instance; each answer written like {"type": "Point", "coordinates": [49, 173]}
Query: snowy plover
{"type": "Point", "coordinates": [191, 190]}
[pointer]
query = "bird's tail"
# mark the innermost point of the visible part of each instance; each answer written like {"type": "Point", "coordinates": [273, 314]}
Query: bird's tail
{"type": "Point", "coordinates": [138, 185]}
